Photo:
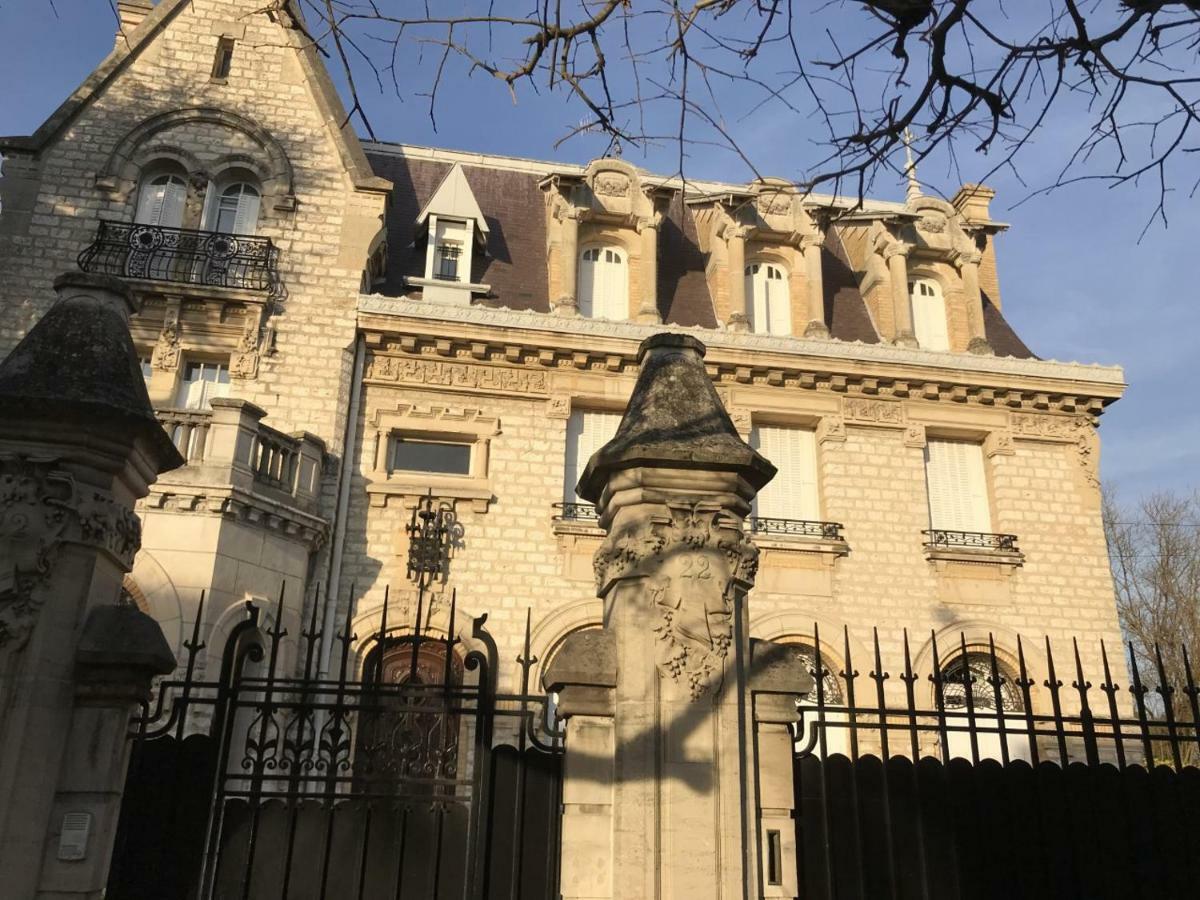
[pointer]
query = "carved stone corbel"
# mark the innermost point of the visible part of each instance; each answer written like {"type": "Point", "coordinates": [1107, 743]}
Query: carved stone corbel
{"type": "Point", "coordinates": [999, 443]}
{"type": "Point", "coordinates": [166, 348]}
{"type": "Point", "coordinates": [831, 429]}
{"type": "Point", "coordinates": [244, 361]}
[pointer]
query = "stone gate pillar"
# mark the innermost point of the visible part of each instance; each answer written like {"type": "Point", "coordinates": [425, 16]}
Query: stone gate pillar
{"type": "Point", "coordinates": [662, 794]}
{"type": "Point", "coordinates": [78, 445]}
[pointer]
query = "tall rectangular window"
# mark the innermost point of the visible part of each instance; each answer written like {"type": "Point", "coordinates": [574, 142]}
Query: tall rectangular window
{"type": "Point", "coordinates": [201, 382]}
{"type": "Point", "coordinates": [957, 486]}
{"type": "Point", "coordinates": [223, 61]}
{"type": "Point", "coordinates": [791, 494]}
{"type": "Point", "coordinates": [587, 432]}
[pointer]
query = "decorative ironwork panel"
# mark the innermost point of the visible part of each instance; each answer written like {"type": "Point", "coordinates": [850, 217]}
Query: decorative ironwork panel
{"type": "Point", "coordinates": [829, 531]}
{"type": "Point", "coordinates": [157, 253]}
{"type": "Point", "coordinates": [941, 539]}
{"type": "Point", "coordinates": [576, 512]}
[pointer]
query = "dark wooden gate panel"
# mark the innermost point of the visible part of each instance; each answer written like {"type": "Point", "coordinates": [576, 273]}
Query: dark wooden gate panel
{"type": "Point", "coordinates": [983, 831]}
{"type": "Point", "coordinates": [164, 818]}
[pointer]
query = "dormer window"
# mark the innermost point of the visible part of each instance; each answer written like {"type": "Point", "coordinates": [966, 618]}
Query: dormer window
{"type": "Point", "coordinates": [603, 283]}
{"type": "Point", "coordinates": [446, 256]}
{"type": "Point", "coordinates": [454, 231]}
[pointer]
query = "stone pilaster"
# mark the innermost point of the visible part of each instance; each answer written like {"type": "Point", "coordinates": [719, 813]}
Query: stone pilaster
{"type": "Point", "coordinates": [647, 310]}
{"type": "Point", "coordinates": [817, 327]}
{"type": "Point", "coordinates": [968, 264]}
{"type": "Point", "coordinates": [735, 243]}
{"type": "Point", "coordinates": [896, 255]}
{"type": "Point", "coordinates": [78, 445]}
{"type": "Point", "coordinates": [661, 759]}
{"type": "Point", "coordinates": [567, 302]}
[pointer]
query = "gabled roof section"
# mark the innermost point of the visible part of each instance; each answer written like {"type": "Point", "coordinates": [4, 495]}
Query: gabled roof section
{"type": "Point", "coordinates": [324, 93]}
{"type": "Point", "coordinates": [454, 199]}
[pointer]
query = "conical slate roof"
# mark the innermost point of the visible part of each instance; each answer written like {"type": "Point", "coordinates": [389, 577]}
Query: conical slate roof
{"type": "Point", "coordinates": [78, 364]}
{"type": "Point", "coordinates": [674, 419]}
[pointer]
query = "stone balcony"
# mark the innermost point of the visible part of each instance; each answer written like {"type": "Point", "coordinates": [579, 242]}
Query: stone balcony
{"type": "Point", "coordinates": [238, 466]}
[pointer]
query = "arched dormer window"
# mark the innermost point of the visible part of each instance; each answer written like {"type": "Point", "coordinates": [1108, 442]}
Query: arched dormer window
{"type": "Point", "coordinates": [161, 200]}
{"type": "Point", "coordinates": [929, 314]}
{"type": "Point", "coordinates": [769, 305]}
{"type": "Point", "coordinates": [603, 283]}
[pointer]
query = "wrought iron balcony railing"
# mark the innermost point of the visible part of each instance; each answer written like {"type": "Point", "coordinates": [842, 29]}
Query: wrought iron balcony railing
{"type": "Point", "coordinates": [827, 531]}
{"type": "Point", "coordinates": [156, 253]}
{"type": "Point", "coordinates": [576, 512]}
{"type": "Point", "coordinates": [942, 539]}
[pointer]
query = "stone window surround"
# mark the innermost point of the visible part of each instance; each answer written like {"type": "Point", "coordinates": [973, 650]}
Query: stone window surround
{"type": "Point", "coordinates": [464, 426]}
{"type": "Point", "coordinates": [1007, 561]}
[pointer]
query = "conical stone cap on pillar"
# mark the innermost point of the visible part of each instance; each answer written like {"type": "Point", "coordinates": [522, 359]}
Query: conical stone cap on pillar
{"type": "Point", "coordinates": [674, 420]}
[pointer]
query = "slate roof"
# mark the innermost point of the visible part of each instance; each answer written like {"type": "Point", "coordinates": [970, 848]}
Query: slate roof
{"type": "Point", "coordinates": [515, 266]}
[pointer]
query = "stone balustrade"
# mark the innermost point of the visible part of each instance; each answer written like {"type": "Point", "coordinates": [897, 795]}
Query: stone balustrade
{"type": "Point", "coordinates": [230, 445]}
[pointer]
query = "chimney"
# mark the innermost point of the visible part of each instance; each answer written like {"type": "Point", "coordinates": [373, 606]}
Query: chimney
{"type": "Point", "coordinates": [972, 202]}
{"type": "Point", "coordinates": [130, 14]}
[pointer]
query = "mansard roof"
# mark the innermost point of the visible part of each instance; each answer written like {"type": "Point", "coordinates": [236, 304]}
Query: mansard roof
{"type": "Point", "coordinates": [512, 204]}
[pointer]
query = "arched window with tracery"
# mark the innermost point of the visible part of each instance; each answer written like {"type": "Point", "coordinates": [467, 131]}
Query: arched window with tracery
{"type": "Point", "coordinates": [408, 730]}
{"type": "Point", "coordinates": [824, 704]}
{"type": "Point", "coordinates": [603, 283]}
{"type": "Point", "coordinates": [161, 200]}
{"type": "Point", "coordinates": [929, 314]}
{"type": "Point", "coordinates": [768, 300]}
{"type": "Point", "coordinates": [971, 688]}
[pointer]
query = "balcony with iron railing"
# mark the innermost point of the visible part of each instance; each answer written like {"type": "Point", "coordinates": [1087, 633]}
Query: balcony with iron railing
{"type": "Point", "coordinates": [180, 255]}
{"type": "Point", "coordinates": [586, 515]}
{"type": "Point", "coordinates": [230, 447]}
{"type": "Point", "coordinates": [943, 543]}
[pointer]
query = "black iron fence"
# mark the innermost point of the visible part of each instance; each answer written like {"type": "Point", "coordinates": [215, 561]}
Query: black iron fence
{"type": "Point", "coordinates": [157, 253]}
{"type": "Point", "coordinates": [997, 773]}
{"type": "Point", "coordinates": [409, 776]}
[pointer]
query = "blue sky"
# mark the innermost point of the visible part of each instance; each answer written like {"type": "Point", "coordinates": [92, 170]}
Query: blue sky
{"type": "Point", "coordinates": [1076, 284]}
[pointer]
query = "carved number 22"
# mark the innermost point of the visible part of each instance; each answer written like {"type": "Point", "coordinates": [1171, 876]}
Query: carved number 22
{"type": "Point", "coordinates": [696, 567]}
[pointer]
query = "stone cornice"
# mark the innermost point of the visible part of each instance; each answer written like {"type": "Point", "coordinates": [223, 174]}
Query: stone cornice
{"type": "Point", "coordinates": [451, 332]}
{"type": "Point", "coordinates": [237, 504]}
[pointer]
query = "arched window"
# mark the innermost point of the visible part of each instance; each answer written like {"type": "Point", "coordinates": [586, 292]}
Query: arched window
{"type": "Point", "coordinates": [160, 201]}
{"type": "Point", "coordinates": [603, 283]}
{"type": "Point", "coordinates": [234, 209]}
{"type": "Point", "coordinates": [769, 305]}
{"type": "Point", "coordinates": [819, 709]}
{"type": "Point", "coordinates": [929, 314]}
{"type": "Point", "coordinates": [993, 695]}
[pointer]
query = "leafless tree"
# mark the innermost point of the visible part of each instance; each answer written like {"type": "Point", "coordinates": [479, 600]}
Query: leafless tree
{"type": "Point", "coordinates": [1112, 84]}
{"type": "Point", "coordinates": [1154, 551]}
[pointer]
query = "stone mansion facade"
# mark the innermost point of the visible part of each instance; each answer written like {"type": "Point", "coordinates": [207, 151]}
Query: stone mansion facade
{"type": "Point", "coordinates": [331, 328]}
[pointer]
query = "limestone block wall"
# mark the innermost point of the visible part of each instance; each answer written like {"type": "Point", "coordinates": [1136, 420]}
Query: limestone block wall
{"type": "Point", "coordinates": [872, 479]}
{"type": "Point", "coordinates": [301, 384]}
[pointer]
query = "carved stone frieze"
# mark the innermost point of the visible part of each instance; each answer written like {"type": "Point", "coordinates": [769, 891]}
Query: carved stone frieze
{"type": "Point", "coordinates": [692, 559]}
{"type": "Point", "coordinates": [244, 361]}
{"type": "Point", "coordinates": [35, 507]}
{"type": "Point", "coordinates": [1054, 428]}
{"type": "Point", "coordinates": [831, 428]}
{"type": "Point", "coordinates": [435, 373]}
{"type": "Point", "coordinates": [611, 184]}
{"type": "Point", "coordinates": [110, 526]}
{"type": "Point", "coordinates": [558, 406]}
{"type": "Point", "coordinates": [860, 411]}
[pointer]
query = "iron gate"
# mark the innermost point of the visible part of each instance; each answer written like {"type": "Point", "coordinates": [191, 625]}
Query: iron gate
{"type": "Point", "coordinates": [412, 778]}
{"type": "Point", "coordinates": [1002, 785]}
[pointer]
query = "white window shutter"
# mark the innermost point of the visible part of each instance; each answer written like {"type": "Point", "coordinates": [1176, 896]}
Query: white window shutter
{"type": "Point", "coordinates": [161, 202]}
{"type": "Point", "coordinates": [792, 493]}
{"type": "Point", "coordinates": [957, 486]}
{"type": "Point", "coordinates": [779, 303]}
{"type": "Point", "coordinates": [586, 285]}
{"type": "Point", "coordinates": [929, 315]}
{"type": "Point", "coordinates": [246, 219]}
{"type": "Point", "coordinates": [587, 432]}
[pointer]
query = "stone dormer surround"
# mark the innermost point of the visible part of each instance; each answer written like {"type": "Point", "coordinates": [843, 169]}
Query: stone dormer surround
{"type": "Point", "coordinates": [610, 201]}
{"type": "Point", "coordinates": [931, 238]}
{"type": "Point", "coordinates": [769, 221]}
